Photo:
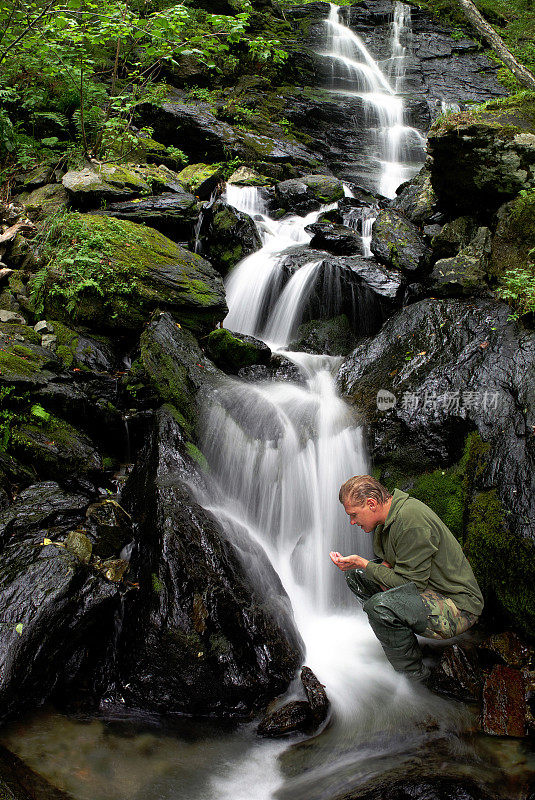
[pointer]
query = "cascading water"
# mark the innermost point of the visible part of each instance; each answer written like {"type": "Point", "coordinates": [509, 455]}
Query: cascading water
{"type": "Point", "coordinates": [393, 151]}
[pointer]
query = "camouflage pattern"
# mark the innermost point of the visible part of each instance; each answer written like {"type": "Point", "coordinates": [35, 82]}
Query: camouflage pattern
{"type": "Point", "coordinates": [444, 619]}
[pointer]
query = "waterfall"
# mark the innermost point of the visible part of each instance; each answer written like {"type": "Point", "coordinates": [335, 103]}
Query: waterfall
{"type": "Point", "coordinates": [396, 149]}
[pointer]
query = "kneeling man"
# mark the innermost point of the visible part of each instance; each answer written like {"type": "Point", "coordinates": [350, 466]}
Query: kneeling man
{"type": "Point", "coordinates": [421, 581]}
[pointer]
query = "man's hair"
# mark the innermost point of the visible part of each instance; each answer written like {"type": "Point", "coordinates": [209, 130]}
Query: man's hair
{"type": "Point", "coordinates": [359, 488]}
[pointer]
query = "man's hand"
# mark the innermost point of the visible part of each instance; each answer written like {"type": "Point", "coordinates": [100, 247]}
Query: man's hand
{"type": "Point", "coordinates": [345, 563]}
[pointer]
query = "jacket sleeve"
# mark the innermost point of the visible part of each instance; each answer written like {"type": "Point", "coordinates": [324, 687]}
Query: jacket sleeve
{"type": "Point", "coordinates": [414, 548]}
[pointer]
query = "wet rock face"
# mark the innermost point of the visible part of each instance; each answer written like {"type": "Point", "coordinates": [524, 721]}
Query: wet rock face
{"type": "Point", "coordinates": [227, 236]}
{"type": "Point", "coordinates": [458, 674]}
{"type": "Point", "coordinates": [335, 337]}
{"type": "Point", "coordinates": [488, 161]}
{"type": "Point", "coordinates": [200, 638]}
{"type": "Point", "coordinates": [301, 195]}
{"type": "Point", "coordinates": [55, 613]}
{"type": "Point", "coordinates": [172, 213]}
{"type": "Point", "coordinates": [467, 272]}
{"type": "Point", "coordinates": [398, 243]}
{"type": "Point", "coordinates": [337, 239]}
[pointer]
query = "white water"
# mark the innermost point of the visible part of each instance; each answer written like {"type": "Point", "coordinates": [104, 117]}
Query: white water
{"type": "Point", "coordinates": [397, 148]}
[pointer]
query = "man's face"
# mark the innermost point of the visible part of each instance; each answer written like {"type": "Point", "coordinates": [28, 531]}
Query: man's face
{"type": "Point", "coordinates": [365, 515]}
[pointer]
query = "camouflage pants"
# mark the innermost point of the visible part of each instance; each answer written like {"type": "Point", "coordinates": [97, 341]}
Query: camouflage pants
{"type": "Point", "coordinates": [444, 619]}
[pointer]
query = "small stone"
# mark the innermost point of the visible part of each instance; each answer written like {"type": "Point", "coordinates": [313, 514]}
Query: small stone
{"type": "Point", "coordinates": [49, 341]}
{"type": "Point", "coordinates": [43, 327]}
{"type": "Point", "coordinates": [11, 317]}
{"type": "Point", "coordinates": [79, 545]}
{"type": "Point", "coordinates": [114, 569]}
{"type": "Point", "coordinates": [504, 703]}
{"type": "Point", "coordinates": [316, 695]}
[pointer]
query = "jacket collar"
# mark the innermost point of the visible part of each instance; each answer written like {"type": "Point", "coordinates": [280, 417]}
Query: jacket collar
{"type": "Point", "coordinates": [399, 499]}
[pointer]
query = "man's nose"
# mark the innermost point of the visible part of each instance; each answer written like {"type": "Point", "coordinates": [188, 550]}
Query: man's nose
{"type": "Point", "coordinates": [353, 521]}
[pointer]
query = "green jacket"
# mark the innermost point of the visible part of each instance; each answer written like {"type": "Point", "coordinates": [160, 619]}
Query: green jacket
{"type": "Point", "coordinates": [421, 549]}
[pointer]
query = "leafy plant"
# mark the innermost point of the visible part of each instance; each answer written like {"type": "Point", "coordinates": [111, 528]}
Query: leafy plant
{"type": "Point", "coordinates": [517, 287]}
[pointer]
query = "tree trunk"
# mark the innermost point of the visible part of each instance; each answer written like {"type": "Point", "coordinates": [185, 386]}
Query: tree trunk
{"type": "Point", "coordinates": [521, 73]}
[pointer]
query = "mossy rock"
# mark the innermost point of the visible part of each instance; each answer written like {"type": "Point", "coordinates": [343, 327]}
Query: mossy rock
{"type": "Point", "coordinates": [515, 235]}
{"type": "Point", "coordinates": [45, 201]}
{"type": "Point", "coordinates": [201, 179]}
{"type": "Point", "coordinates": [467, 272]}
{"type": "Point", "coordinates": [94, 184]}
{"type": "Point", "coordinates": [121, 273]}
{"type": "Point", "coordinates": [25, 362]}
{"type": "Point", "coordinates": [176, 367]}
{"type": "Point", "coordinates": [232, 351]}
{"type": "Point", "coordinates": [245, 176]}
{"type": "Point", "coordinates": [55, 448]}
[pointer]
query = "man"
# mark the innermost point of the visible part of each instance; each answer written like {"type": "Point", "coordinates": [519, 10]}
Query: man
{"type": "Point", "coordinates": [421, 581]}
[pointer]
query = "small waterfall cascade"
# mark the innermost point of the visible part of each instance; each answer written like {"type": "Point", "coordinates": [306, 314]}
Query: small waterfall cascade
{"type": "Point", "coordinates": [393, 150]}
{"type": "Point", "coordinates": [265, 298]}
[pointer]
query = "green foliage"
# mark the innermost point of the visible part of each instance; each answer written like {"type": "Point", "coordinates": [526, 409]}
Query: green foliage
{"type": "Point", "coordinates": [73, 72]}
{"type": "Point", "coordinates": [76, 261]}
{"type": "Point", "coordinates": [157, 585]}
{"type": "Point", "coordinates": [13, 409]}
{"type": "Point", "coordinates": [517, 287]}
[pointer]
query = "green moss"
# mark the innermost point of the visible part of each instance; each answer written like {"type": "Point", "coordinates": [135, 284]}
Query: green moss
{"type": "Point", "coordinates": [197, 456]}
{"type": "Point", "coordinates": [112, 273]}
{"type": "Point", "coordinates": [22, 362]}
{"type": "Point", "coordinates": [219, 645]}
{"type": "Point", "coordinates": [157, 585]}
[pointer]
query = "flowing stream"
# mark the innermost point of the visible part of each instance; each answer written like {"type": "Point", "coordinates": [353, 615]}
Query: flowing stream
{"type": "Point", "coordinates": [278, 453]}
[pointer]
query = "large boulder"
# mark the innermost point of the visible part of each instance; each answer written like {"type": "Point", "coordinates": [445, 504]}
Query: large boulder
{"type": "Point", "coordinates": [416, 199]}
{"type": "Point", "coordinates": [201, 637]}
{"type": "Point", "coordinates": [23, 361]}
{"type": "Point", "coordinates": [334, 238]}
{"type": "Point", "coordinates": [128, 271]}
{"type": "Point", "coordinates": [398, 243]}
{"type": "Point", "coordinates": [232, 351]}
{"type": "Point", "coordinates": [93, 184]}
{"type": "Point", "coordinates": [445, 370]}
{"type": "Point", "coordinates": [227, 236]}
{"type": "Point", "coordinates": [307, 193]}
{"type": "Point", "coordinates": [483, 159]}
{"type": "Point", "coordinates": [56, 617]}
{"type": "Point", "coordinates": [174, 213]}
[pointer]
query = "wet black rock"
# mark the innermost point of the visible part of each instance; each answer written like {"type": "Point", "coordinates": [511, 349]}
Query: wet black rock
{"type": "Point", "coordinates": [337, 239]}
{"type": "Point", "coordinates": [279, 368]}
{"type": "Point", "coordinates": [398, 243]}
{"type": "Point", "coordinates": [504, 702]}
{"type": "Point", "coordinates": [334, 337]}
{"type": "Point", "coordinates": [108, 527]}
{"type": "Point", "coordinates": [55, 615]}
{"type": "Point", "coordinates": [484, 162]}
{"type": "Point", "coordinates": [232, 351]}
{"type": "Point", "coordinates": [316, 695]}
{"type": "Point", "coordinates": [204, 636]}
{"type": "Point", "coordinates": [173, 213]}
{"type": "Point", "coordinates": [293, 717]}
{"type": "Point", "coordinates": [227, 236]}
{"type": "Point", "coordinates": [458, 674]}
{"type": "Point", "coordinates": [41, 505]}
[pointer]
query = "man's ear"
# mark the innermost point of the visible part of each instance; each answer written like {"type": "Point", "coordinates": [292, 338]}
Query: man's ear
{"type": "Point", "coordinates": [371, 503]}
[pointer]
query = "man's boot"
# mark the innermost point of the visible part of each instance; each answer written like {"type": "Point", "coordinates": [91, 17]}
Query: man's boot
{"type": "Point", "coordinates": [361, 585]}
{"type": "Point", "coordinates": [395, 616]}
